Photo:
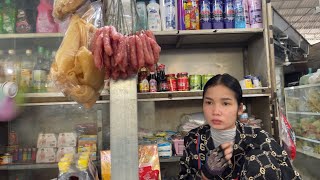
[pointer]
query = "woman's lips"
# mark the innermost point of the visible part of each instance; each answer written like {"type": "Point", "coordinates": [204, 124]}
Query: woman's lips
{"type": "Point", "coordinates": [216, 122]}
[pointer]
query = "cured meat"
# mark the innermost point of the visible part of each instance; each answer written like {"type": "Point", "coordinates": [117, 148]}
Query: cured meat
{"type": "Point", "coordinates": [94, 40]}
{"type": "Point", "coordinates": [133, 52]}
{"type": "Point", "coordinates": [114, 34]}
{"type": "Point", "coordinates": [150, 34]}
{"type": "Point", "coordinates": [156, 49]}
{"type": "Point", "coordinates": [150, 51]}
{"type": "Point", "coordinates": [147, 57]}
{"type": "Point", "coordinates": [97, 53]}
{"type": "Point", "coordinates": [106, 41]}
{"type": "Point", "coordinates": [120, 51]}
{"type": "Point", "coordinates": [139, 50]}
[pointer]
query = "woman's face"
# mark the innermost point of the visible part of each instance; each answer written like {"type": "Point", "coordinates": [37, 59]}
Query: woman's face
{"type": "Point", "coordinates": [220, 107]}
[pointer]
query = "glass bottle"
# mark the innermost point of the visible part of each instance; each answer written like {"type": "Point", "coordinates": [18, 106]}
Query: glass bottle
{"type": "Point", "coordinates": [12, 67]}
{"type": "Point", "coordinates": [39, 73]}
{"type": "Point", "coordinates": [27, 65]}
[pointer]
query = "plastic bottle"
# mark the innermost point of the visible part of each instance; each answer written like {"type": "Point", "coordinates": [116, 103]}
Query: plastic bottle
{"type": "Point", "coordinates": [27, 65]}
{"type": "Point", "coordinates": [181, 14]}
{"type": "Point", "coordinates": [246, 12]}
{"type": "Point", "coordinates": [39, 74]}
{"type": "Point", "coordinates": [142, 20]}
{"type": "Point", "coordinates": [22, 25]}
{"type": "Point", "coordinates": [195, 15]}
{"type": "Point", "coordinates": [168, 14]}
{"type": "Point", "coordinates": [45, 22]}
{"type": "Point", "coordinates": [9, 17]}
{"type": "Point", "coordinates": [304, 79]}
{"type": "Point", "coordinates": [217, 14]}
{"type": "Point", "coordinates": [152, 82]}
{"type": "Point", "coordinates": [205, 13]}
{"type": "Point", "coordinates": [2, 64]}
{"type": "Point", "coordinates": [154, 21]}
{"type": "Point", "coordinates": [228, 14]}
{"type": "Point", "coordinates": [239, 17]}
{"type": "Point", "coordinates": [255, 13]}
{"type": "Point", "coordinates": [1, 17]}
{"type": "Point", "coordinates": [12, 67]}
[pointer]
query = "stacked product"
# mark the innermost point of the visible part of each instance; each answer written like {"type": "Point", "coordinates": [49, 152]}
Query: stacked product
{"type": "Point", "coordinates": [47, 148]}
{"type": "Point", "coordinates": [66, 144]}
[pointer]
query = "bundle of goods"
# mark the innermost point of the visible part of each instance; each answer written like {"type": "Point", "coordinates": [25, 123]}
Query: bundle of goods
{"type": "Point", "coordinates": [90, 52]}
{"type": "Point", "coordinates": [77, 166]}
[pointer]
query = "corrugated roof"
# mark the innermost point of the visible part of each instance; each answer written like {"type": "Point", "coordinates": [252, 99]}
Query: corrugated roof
{"type": "Point", "coordinates": [302, 15]}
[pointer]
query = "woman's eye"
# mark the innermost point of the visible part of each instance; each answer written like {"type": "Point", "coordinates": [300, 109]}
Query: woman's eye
{"type": "Point", "coordinates": [208, 102]}
{"type": "Point", "coordinates": [226, 103]}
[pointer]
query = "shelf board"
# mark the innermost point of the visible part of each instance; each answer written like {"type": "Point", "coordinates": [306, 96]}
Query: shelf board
{"type": "Point", "coordinates": [315, 155]}
{"type": "Point", "coordinates": [206, 36]}
{"type": "Point", "coordinates": [304, 113]}
{"type": "Point", "coordinates": [55, 165]}
{"type": "Point", "coordinates": [302, 86]}
{"type": "Point", "coordinates": [171, 159]}
{"type": "Point", "coordinates": [308, 139]}
{"type": "Point", "coordinates": [58, 98]}
{"type": "Point", "coordinates": [31, 36]}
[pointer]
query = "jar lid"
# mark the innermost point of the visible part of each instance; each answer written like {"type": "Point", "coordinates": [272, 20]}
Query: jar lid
{"type": "Point", "coordinates": [183, 73]}
{"type": "Point", "coordinates": [171, 75]}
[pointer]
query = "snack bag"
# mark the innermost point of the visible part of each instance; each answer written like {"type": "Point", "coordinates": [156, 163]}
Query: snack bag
{"type": "Point", "coordinates": [288, 137]}
{"type": "Point", "coordinates": [63, 8]}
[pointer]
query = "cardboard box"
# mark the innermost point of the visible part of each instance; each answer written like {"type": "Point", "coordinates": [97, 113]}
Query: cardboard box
{"type": "Point", "coordinates": [46, 155]}
{"type": "Point", "coordinates": [67, 140]}
{"type": "Point", "coordinates": [88, 143]}
{"type": "Point", "coordinates": [47, 140]}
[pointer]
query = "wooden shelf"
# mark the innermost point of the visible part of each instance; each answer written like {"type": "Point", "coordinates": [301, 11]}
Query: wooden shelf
{"type": "Point", "coordinates": [31, 36]}
{"type": "Point", "coordinates": [59, 98]}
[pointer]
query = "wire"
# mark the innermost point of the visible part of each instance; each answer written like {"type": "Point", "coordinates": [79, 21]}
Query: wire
{"type": "Point", "coordinates": [291, 25]}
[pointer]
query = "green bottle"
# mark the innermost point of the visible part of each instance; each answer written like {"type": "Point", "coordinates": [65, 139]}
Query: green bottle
{"type": "Point", "coordinates": [9, 17]}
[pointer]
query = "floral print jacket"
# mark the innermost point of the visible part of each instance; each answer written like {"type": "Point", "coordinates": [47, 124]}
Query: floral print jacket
{"type": "Point", "coordinates": [256, 155]}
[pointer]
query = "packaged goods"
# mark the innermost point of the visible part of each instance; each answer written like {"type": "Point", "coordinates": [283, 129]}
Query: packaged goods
{"type": "Point", "coordinates": [228, 14]}
{"type": "Point", "coordinates": [240, 16]}
{"type": "Point", "coordinates": [142, 19]}
{"type": "Point", "coordinates": [165, 149]}
{"type": "Point", "coordinates": [154, 20]}
{"type": "Point", "coordinates": [46, 140]}
{"type": "Point", "coordinates": [246, 12]}
{"type": "Point", "coordinates": [153, 82]}
{"type": "Point", "coordinates": [88, 143]}
{"type": "Point", "coordinates": [195, 82]}
{"type": "Point", "coordinates": [181, 14]}
{"type": "Point", "coordinates": [23, 24]}
{"type": "Point", "coordinates": [183, 81]}
{"type": "Point", "coordinates": [67, 140]}
{"type": "Point", "coordinates": [64, 150]}
{"type": "Point", "coordinates": [205, 79]}
{"type": "Point", "coordinates": [217, 14]}
{"type": "Point", "coordinates": [45, 22]}
{"type": "Point", "coordinates": [46, 155]}
{"type": "Point", "coordinates": [62, 8]}
{"type": "Point", "coordinates": [168, 15]}
{"type": "Point", "coordinates": [9, 17]}
{"type": "Point", "coordinates": [205, 14]}
{"type": "Point", "coordinates": [172, 82]}
{"type": "Point", "coordinates": [178, 146]}
{"type": "Point", "coordinates": [255, 13]}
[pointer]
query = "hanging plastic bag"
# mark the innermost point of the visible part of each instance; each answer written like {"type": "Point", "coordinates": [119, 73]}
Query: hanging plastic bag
{"type": "Point", "coordinates": [288, 137]}
{"type": "Point", "coordinates": [73, 71]}
{"type": "Point", "coordinates": [63, 8]}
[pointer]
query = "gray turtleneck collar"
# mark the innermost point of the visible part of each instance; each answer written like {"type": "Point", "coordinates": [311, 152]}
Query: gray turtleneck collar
{"type": "Point", "coordinates": [222, 136]}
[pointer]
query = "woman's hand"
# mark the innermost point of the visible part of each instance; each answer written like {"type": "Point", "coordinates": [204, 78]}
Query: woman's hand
{"type": "Point", "coordinates": [218, 161]}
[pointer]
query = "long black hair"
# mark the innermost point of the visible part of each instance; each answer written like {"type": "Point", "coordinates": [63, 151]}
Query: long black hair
{"type": "Point", "coordinates": [228, 81]}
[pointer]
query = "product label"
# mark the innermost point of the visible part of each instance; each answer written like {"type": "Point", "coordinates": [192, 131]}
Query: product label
{"type": "Point", "coordinates": [183, 84]}
{"type": "Point", "coordinates": [39, 79]}
{"type": "Point", "coordinates": [170, 14]}
{"type": "Point", "coordinates": [153, 19]}
{"type": "Point", "coordinates": [205, 11]}
{"type": "Point", "coordinates": [144, 86]}
{"type": "Point", "coordinates": [26, 78]}
{"type": "Point", "coordinates": [217, 11]}
{"type": "Point", "coordinates": [153, 85]}
{"type": "Point", "coordinates": [8, 20]}
{"type": "Point", "coordinates": [172, 84]}
{"type": "Point", "coordinates": [255, 12]}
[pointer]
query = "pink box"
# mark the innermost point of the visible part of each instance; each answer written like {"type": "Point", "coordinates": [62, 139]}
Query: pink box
{"type": "Point", "coordinates": [178, 146]}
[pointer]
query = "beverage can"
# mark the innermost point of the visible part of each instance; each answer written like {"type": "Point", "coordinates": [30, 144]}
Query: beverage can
{"type": "Point", "coordinates": [205, 79]}
{"type": "Point", "coordinates": [195, 82]}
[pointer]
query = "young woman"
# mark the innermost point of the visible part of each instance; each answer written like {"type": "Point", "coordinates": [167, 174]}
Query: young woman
{"type": "Point", "coordinates": [226, 148]}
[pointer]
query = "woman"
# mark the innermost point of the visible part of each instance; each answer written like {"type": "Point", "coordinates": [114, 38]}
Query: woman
{"type": "Point", "coordinates": [225, 148]}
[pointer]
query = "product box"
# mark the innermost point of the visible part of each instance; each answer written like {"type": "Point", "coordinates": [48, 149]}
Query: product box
{"type": "Point", "coordinates": [46, 155]}
{"type": "Point", "coordinates": [88, 143]}
{"type": "Point", "coordinates": [47, 140]}
{"type": "Point", "coordinates": [65, 150]}
{"type": "Point", "coordinates": [67, 140]}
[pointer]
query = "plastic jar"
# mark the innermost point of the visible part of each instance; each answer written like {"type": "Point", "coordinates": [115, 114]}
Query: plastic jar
{"type": "Point", "coordinates": [183, 81]}
{"type": "Point", "coordinates": [172, 82]}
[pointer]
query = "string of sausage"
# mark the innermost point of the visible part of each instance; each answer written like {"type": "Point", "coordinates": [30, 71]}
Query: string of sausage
{"type": "Point", "coordinates": [122, 56]}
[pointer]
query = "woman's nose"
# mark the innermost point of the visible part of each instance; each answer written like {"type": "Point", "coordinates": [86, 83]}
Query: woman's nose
{"type": "Point", "coordinates": [216, 110]}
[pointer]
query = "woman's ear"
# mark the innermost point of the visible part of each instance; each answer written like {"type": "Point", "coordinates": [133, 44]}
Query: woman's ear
{"type": "Point", "coordinates": [240, 109]}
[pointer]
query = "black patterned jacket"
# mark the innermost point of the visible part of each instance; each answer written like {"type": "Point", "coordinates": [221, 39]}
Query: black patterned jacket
{"type": "Point", "coordinates": [256, 155]}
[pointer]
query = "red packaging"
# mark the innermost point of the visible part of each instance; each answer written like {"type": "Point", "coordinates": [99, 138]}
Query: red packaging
{"type": "Point", "coordinates": [172, 82]}
{"type": "Point", "coordinates": [183, 81]}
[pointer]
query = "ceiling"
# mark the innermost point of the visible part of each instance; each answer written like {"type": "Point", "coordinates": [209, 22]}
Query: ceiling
{"type": "Point", "coordinates": [302, 15]}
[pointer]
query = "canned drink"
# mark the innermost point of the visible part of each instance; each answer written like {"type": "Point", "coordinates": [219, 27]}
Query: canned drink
{"type": "Point", "coordinates": [195, 82]}
{"type": "Point", "coordinates": [205, 79]}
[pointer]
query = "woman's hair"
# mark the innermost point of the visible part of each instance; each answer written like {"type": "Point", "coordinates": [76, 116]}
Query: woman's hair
{"type": "Point", "coordinates": [228, 81]}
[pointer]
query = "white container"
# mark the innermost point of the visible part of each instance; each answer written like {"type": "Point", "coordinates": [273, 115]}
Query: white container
{"type": "Point", "coordinates": [154, 21]}
{"type": "Point", "coordinates": [168, 10]}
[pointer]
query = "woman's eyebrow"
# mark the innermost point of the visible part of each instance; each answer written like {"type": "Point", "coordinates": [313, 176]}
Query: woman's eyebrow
{"type": "Point", "coordinates": [226, 99]}
{"type": "Point", "coordinates": [208, 98]}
